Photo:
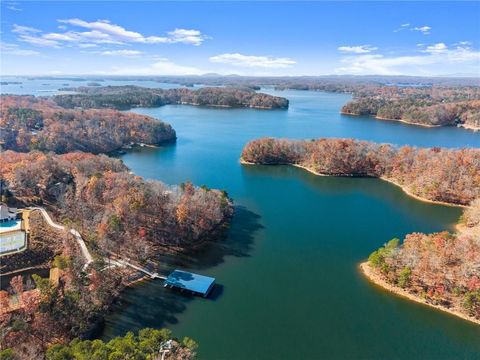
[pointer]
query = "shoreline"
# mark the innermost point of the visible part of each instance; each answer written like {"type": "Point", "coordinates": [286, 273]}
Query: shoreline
{"type": "Point", "coordinates": [465, 126]}
{"type": "Point", "coordinates": [437, 202]}
{"type": "Point", "coordinates": [470, 127]}
{"type": "Point", "coordinates": [408, 122]}
{"type": "Point", "coordinates": [376, 279]}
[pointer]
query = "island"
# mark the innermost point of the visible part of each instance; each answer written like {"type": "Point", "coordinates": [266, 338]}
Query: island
{"type": "Point", "coordinates": [126, 97]}
{"type": "Point", "coordinates": [440, 269]}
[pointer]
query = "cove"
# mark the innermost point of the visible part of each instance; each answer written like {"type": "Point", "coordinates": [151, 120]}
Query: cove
{"type": "Point", "coordinates": [289, 284]}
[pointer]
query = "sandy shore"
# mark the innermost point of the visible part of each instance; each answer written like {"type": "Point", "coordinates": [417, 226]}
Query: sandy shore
{"type": "Point", "coordinates": [378, 280]}
{"type": "Point", "coordinates": [405, 190]}
{"type": "Point", "coordinates": [470, 127]}
{"type": "Point", "coordinates": [407, 122]}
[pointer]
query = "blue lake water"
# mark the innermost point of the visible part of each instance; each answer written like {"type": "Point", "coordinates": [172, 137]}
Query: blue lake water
{"type": "Point", "coordinates": [287, 272]}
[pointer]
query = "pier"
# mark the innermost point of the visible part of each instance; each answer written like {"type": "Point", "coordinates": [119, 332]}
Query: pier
{"type": "Point", "coordinates": [191, 282]}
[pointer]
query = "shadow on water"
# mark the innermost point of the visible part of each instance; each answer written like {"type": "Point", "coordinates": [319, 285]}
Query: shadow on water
{"type": "Point", "coordinates": [237, 241]}
{"type": "Point", "coordinates": [149, 304]}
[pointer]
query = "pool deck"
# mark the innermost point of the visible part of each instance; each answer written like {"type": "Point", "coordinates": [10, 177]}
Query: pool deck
{"type": "Point", "coordinates": [10, 226]}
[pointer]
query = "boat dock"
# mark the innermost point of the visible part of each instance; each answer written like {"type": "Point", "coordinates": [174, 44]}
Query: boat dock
{"type": "Point", "coordinates": [191, 282]}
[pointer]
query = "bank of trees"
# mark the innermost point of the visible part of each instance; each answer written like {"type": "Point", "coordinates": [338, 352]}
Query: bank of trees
{"type": "Point", "coordinates": [115, 209]}
{"type": "Point", "coordinates": [149, 344]}
{"type": "Point", "coordinates": [447, 175]}
{"type": "Point", "coordinates": [422, 106]}
{"type": "Point", "coordinates": [29, 123]}
{"type": "Point", "coordinates": [117, 213]}
{"type": "Point", "coordinates": [58, 312]}
{"type": "Point", "coordinates": [442, 268]}
{"type": "Point", "coordinates": [126, 97]}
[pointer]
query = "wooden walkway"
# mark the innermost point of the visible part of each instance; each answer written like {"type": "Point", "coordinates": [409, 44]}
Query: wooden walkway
{"type": "Point", "coordinates": [124, 263]}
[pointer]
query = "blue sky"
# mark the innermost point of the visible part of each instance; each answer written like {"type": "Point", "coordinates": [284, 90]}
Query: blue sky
{"type": "Point", "coordinates": [246, 38]}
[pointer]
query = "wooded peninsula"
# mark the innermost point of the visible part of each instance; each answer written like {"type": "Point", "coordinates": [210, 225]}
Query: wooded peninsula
{"type": "Point", "coordinates": [32, 123]}
{"type": "Point", "coordinates": [425, 106]}
{"type": "Point", "coordinates": [54, 164]}
{"type": "Point", "coordinates": [443, 175]}
{"type": "Point", "coordinates": [439, 269]}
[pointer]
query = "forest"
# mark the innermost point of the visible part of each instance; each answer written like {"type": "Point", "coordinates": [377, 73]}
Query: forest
{"type": "Point", "coordinates": [446, 175]}
{"type": "Point", "coordinates": [110, 205]}
{"type": "Point", "coordinates": [427, 106]}
{"type": "Point", "coordinates": [31, 123]}
{"type": "Point", "coordinates": [336, 83]}
{"type": "Point", "coordinates": [126, 97]}
{"type": "Point", "coordinates": [117, 213]}
{"type": "Point", "coordinates": [441, 268]}
{"type": "Point", "coordinates": [149, 344]}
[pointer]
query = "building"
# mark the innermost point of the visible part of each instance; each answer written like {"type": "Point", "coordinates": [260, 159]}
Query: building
{"type": "Point", "coordinates": [6, 213]}
{"type": "Point", "coordinates": [190, 282]}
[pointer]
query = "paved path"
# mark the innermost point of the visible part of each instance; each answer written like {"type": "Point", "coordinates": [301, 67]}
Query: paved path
{"type": "Point", "coordinates": [86, 254]}
{"type": "Point", "coordinates": [83, 247]}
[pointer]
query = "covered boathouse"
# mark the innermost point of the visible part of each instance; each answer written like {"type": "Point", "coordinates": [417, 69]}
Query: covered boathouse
{"type": "Point", "coordinates": [191, 282]}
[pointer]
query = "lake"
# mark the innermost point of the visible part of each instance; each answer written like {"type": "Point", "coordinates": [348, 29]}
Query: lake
{"type": "Point", "coordinates": [287, 272]}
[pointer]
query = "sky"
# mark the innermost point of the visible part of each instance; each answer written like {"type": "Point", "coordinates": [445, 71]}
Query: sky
{"type": "Point", "coordinates": [244, 38]}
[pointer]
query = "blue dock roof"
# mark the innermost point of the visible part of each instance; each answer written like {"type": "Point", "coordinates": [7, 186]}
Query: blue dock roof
{"type": "Point", "coordinates": [190, 281]}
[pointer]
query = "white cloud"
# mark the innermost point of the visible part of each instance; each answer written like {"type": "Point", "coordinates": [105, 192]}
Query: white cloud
{"type": "Point", "coordinates": [435, 48]}
{"type": "Point", "coordinates": [102, 32]}
{"type": "Point", "coordinates": [253, 61]}
{"type": "Point", "coordinates": [161, 67]}
{"type": "Point", "coordinates": [359, 49]}
{"type": "Point", "coordinates": [108, 30]}
{"type": "Point", "coordinates": [39, 41]}
{"type": "Point", "coordinates": [120, 34]}
{"type": "Point", "coordinates": [423, 29]}
{"type": "Point", "coordinates": [193, 37]}
{"type": "Point", "coordinates": [19, 29]}
{"type": "Point", "coordinates": [87, 45]}
{"type": "Point", "coordinates": [127, 53]}
{"type": "Point", "coordinates": [13, 6]}
{"type": "Point", "coordinates": [14, 49]}
{"type": "Point", "coordinates": [432, 59]}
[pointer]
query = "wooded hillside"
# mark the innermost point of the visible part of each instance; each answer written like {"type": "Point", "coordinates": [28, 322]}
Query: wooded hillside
{"type": "Point", "coordinates": [447, 175]}
{"type": "Point", "coordinates": [126, 97]}
{"type": "Point", "coordinates": [30, 123]}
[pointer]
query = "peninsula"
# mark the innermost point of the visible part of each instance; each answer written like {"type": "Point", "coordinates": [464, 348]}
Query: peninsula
{"type": "Point", "coordinates": [50, 162]}
{"type": "Point", "coordinates": [33, 123]}
{"type": "Point", "coordinates": [439, 269]}
{"type": "Point", "coordinates": [126, 97]}
{"type": "Point", "coordinates": [435, 174]}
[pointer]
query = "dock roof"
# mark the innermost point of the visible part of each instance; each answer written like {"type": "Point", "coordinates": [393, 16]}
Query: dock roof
{"type": "Point", "coordinates": [190, 281]}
